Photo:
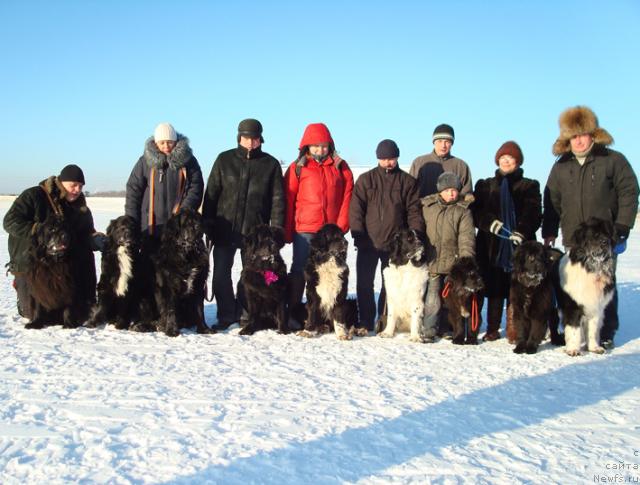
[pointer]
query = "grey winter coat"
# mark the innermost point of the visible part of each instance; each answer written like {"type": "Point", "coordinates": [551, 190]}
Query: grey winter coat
{"type": "Point", "coordinates": [605, 186]}
{"type": "Point", "coordinates": [383, 202]}
{"type": "Point", "coordinates": [427, 168]}
{"type": "Point", "coordinates": [166, 183]}
{"type": "Point", "coordinates": [450, 232]}
{"type": "Point", "coordinates": [242, 193]}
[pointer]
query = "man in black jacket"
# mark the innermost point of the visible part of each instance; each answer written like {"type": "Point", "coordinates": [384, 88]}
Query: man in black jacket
{"type": "Point", "coordinates": [385, 199]}
{"type": "Point", "coordinates": [244, 189]}
{"type": "Point", "coordinates": [62, 196]}
{"type": "Point", "coordinates": [589, 180]}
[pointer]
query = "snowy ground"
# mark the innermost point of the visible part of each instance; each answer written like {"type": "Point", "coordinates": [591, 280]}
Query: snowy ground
{"type": "Point", "coordinates": [110, 406]}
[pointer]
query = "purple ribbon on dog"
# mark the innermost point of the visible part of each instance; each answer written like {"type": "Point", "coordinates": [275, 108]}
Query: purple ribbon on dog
{"type": "Point", "coordinates": [270, 277]}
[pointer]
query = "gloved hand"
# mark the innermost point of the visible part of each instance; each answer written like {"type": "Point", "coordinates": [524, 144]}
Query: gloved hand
{"type": "Point", "coordinates": [621, 235]}
{"type": "Point", "coordinates": [516, 238]}
{"type": "Point", "coordinates": [99, 240]}
{"type": "Point", "coordinates": [496, 226]}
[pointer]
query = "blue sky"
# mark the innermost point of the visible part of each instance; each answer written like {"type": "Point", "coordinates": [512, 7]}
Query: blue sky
{"type": "Point", "coordinates": [86, 81]}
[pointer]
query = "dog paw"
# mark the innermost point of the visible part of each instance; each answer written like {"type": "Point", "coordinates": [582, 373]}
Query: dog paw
{"type": "Point", "coordinates": [471, 341]}
{"type": "Point", "coordinates": [122, 326]}
{"type": "Point", "coordinates": [361, 332]}
{"type": "Point", "coordinates": [90, 324]}
{"type": "Point", "coordinates": [172, 331]}
{"type": "Point", "coordinates": [532, 349]}
{"type": "Point", "coordinates": [572, 352]}
{"type": "Point", "coordinates": [344, 337]}
{"type": "Point", "coordinates": [385, 335]}
{"type": "Point", "coordinates": [416, 339]}
{"type": "Point", "coordinates": [458, 341]}
{"type": "Point", "coordinates": [558, 340]}
{"type": "Point", "coordinates": [306, 334]}
{"type": "Point", "coordinates": [519, 349]}
{"type": "Point", "coordinates": [34, 326]}
{"type": "Point", "coordinates": [597, 350]}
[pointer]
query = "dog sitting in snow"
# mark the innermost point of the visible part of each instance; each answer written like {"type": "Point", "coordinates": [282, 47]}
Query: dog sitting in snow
{"type": "Point", "coordinates": [405, 281]}
{"type": "Point", "coordinates": [326, 275]}
{"type": "Point", "coordinates": [586, 284]}
{"type": "Point", "coordinates": [264, 280]}
{"type": "Point", "coordinates": [119, 289]}
{"type": "Point", "coordinates": [50, 276]}
{"type": "Point", "coordinates": [531, 295]}
{"type": "Point", "coordinates": [181, 266]}
{"type": "Point", "coordinates": [462, 296]}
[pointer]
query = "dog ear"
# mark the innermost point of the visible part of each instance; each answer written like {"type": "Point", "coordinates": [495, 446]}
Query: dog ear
{"type": "Point", "coordinates": [278, 236]}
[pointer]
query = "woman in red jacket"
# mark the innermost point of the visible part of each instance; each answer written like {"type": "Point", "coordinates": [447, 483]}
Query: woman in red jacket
{"type": "Point", "coordinates": [318, 188]}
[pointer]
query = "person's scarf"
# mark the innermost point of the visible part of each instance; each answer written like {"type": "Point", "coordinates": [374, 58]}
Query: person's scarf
{"type": "Point", "coordinates": [508, 218]}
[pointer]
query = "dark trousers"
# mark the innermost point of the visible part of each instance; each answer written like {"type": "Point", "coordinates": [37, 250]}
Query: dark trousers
{"type": "Point", "coordinates": [366, 264]}
{"type": "Point", "coordinates": [611, 321]}
{"type": "Point", "coordinates": [229, 307]}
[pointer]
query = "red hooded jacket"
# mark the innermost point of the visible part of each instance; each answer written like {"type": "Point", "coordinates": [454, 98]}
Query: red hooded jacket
{"type": "Point", "coordinates": [319, 195]}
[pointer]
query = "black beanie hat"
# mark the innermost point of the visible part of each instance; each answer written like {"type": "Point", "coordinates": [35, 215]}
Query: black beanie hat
{"type": "Point", "coordinates": [387, 149]}
{"type": "Point", "coordinates": [448, 180]}
{"type": "Point", "coordinates": [250, 127]}
{"type": "Point", "coordinates": [443, 131]}
{"type": "Point", "coordinates": [71, 173]}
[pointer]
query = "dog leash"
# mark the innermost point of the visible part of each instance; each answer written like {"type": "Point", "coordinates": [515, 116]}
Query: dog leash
{"type": "Point", "coordinates": [475, 313]}
{"type": "Point", "coordinates": [206, 281]}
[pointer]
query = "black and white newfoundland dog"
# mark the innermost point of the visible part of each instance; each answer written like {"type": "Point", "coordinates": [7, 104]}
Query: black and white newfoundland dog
{"type": "Point", "coordinates": [405, 282]}
{"type": "Point", "coordinates": [326, 275]}
{"type": "Point", "coordinates": [119, 288]}
{"type": "Point", "coordinates": [50, 278]}
{"type": "Point", "coordinates": [531, 295]}
{"type": "Point", "coordinates": [264, 280]}
{"type": "Point", "coordinates": [181, 265]}
{"type": "Point", "coordinates": [586, 283]}
{"type": "Point", "coordinates": [463, 293]}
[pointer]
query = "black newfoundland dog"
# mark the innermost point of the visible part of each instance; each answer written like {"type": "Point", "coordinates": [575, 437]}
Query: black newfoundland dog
{"type": "Point", "coordinates": [50, 278]}
{"type": "Point", "coordinates": [264, 280]}
{"type": "Point", "coordinates": [586, 281]}
{"type": "Point", "coordinates": [326, 275]}
{"type": "Point", "coordinates": [181, 265]}
{"type": "Point", "coordinates": [531, 295]}
{"type": "Point", "coordinates": [463, 295]}
{"type": "Point", "coordinates": [121, 292]}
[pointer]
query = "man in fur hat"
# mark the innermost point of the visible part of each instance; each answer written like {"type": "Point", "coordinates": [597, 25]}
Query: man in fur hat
{"type": "Point", "coordinates": [589, 180]}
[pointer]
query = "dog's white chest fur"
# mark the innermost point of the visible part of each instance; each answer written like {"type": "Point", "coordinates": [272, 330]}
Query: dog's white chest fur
{"type": "Point", "coordinates": [329, 284]}
{"type": "Point", "coordinates": [586, 288]}
{"type": "Point", "coordinates": [125, 264]}
{"type": "Point", "coordinates": [405, 287]}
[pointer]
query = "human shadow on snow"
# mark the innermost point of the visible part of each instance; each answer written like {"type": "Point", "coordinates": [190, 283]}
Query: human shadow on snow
{"type": "Point", "coordinates": [362, 452]}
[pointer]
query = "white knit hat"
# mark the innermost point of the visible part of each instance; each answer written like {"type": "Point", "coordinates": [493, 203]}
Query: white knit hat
{"type": "Point", "coordinates": [164, 131]}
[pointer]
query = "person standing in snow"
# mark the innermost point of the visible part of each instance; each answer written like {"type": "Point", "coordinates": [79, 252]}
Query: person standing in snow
{"type": "Point", "coordinates": [589, 180]}
{"type": "Point", "coordinates": [427, 168]}
{"type": "Point", "coordinates": [166, 178]}
{"type": "Point", "coordinates": [318, 187]}
{"type": "Point", "coordinates": [60, 196]}
{"type": "Point", "coordinates": [507, 211]}
{"type": "Point", "coordinates": [385, 200]}
{"type": "Point", "coordinates": [244, 190]}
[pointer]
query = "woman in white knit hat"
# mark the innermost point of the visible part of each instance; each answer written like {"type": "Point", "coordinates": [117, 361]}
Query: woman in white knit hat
{"type": "Point", "coordinates": [166, 178]}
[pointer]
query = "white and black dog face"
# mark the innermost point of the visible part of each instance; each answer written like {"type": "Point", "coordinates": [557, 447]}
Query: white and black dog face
{"type": "Point", "coordinates": [531, 264]}
{"type": "Point", "coordinates": [328, 242]}
{"type": "Point", "coordinates": [593, 246]}
{"type": "Point", "coordinates": [262, 245]}
{"type": "Point", "coordinates": [407, 247]}
{"type": "Point", "coordinates": [124, 231]}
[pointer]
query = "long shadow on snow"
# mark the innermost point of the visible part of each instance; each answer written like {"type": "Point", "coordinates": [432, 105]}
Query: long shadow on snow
{"type": "Point", "coordinates": [349, 456]}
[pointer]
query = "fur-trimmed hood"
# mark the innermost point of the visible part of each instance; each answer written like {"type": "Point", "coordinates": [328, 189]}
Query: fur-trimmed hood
{"type": "Point", "coordinates": [577, 121]}
{"type": "Point", "coordinates": [178, 157]}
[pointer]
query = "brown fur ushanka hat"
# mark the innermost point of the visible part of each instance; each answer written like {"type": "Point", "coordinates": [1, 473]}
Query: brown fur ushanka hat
{"type": "Point", "coordinates": [579, 120]}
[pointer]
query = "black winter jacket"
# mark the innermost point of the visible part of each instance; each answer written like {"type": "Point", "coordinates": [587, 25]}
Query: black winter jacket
{"type": "Point", "coordinates": [486, 208]}
{"type": "Point", "coordinates": [242, 193]}
{"type": "Point", "coordinates": [166, 179]}
{"type": "Point", "coordinates": [605, 186]}
{"type": "Point", "coordinates": [383, 202]}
